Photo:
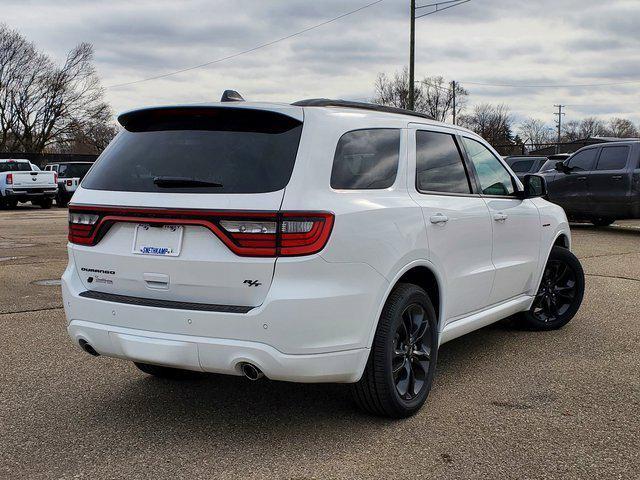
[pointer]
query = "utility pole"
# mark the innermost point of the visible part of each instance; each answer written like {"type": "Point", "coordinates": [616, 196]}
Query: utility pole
{"type": "Point", "coordinates": [437, 7]}
{"type": "Point", "coordinates": [453, 87]}
{"type": "Point", "coordinates": [412, 55]}
{"type": "Point", "coordinates": [559, 114]}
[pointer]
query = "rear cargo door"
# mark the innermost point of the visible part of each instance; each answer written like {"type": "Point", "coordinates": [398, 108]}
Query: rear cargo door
{"type": "Point", "coordinates": [33, 179]}
{"type": "Point", "coordinates": [187, 199]}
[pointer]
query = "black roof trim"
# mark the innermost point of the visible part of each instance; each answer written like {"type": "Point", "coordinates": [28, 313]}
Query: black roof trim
{"type": "Point", "coordinates": [326, 102]}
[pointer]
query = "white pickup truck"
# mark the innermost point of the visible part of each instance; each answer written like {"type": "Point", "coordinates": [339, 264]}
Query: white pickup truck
{"type": "Point", "coordinates": [21, 181]}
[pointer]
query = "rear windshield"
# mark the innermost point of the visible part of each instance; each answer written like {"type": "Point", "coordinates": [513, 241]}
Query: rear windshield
{"type": "Point", "coordinates": [73, 170]}
{"type": "Point", "coordinates": [15, 167]}
{"type": "Point", "coordinates": [199, 150]}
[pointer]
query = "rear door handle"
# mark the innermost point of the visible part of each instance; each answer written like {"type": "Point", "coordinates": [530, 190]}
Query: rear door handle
{"type": "Point", "coordinates": [617, 177]}
{"type": "Point", "coordinates": [581, 179]}
{"type": "Point", "coordinates": [439, 218]}
{"type": "Point", "coordinates": [500, 217]}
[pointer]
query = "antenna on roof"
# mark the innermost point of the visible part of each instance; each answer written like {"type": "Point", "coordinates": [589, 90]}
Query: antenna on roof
{"type": "Point", "coordinates": [231, 96]}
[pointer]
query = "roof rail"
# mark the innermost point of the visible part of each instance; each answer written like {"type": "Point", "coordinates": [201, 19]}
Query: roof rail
{"type": "Point", "coordinates": [326, 102]}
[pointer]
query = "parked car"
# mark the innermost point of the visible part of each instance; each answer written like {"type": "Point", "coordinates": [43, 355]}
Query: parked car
{"type": "Point", "coordinates": [599, 183]}
{"type": "Point", "coordinates": [323, 241]}
{"type": "Point", "coordinates": [552, 161]}
{"type": "Point", "coordinates": [524, 164]}
{"type": "Point", "coordinates": [70, 174]}
{"type": "Point", "coordinates": [21, 182]}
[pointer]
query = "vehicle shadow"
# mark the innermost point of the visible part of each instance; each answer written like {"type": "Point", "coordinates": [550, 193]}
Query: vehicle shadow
{"type": "Point", "coordinates": [220, 404]}
{"type": "Point", "coordinates": [622, 229]}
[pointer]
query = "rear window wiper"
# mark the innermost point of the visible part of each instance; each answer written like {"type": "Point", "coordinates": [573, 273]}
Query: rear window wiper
{"type": "Point", "coordinates": [183, 182]}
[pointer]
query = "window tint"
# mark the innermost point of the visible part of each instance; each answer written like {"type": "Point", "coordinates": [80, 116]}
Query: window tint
{"type": "Point", "coordinates": [366, 159]}
{"type": "Point", "coordinates": [72, 170]}
{"type": "Point", "coordinates": [584, 160]}
{"type": "Point", "coordinates": [13, 166]}
{"type": "Point", "coordinates": [493, 176]}
{"type": "Point", "coordinates": [548, 165]}
{"type": "Point", "coordinates": [613, 158]}
{"type": "Point", "coordinates": [439, 166]}
{"type": "Point", "coordinates": [522, 166]}
{"type": "Point", "coordinates": [199, 150]}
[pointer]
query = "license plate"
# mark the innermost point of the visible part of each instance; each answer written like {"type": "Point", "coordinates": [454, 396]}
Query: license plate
{"type": "Point", "coordinates": [164, 241]}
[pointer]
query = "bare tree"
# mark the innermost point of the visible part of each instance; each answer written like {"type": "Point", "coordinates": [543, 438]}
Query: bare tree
{"type": "Point", "coordinates": [622, 128]}
{"type": "Point", "coordinates": [535, 132]}
{"type": "Point", "coordinates": [41, 104]}
{"type": "Point", "coordinates": [433, 95]}
{"type": "Point", "coordinates": [571, 131]}
{"type": "Point", "coordinates": [592, 127]}
{"type": "Point", "coordinates": [439, 97]}
{"type": "Point", "coordinates": [492, 122]}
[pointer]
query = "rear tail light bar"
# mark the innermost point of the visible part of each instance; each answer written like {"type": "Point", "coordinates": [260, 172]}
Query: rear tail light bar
{"type": "Point", "coordinates": [9, 178]}
{"type": "Point", "coordinates": [247, 234]}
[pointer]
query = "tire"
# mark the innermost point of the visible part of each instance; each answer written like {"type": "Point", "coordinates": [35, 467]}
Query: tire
{"type": "Point", "coordinates": [602, 221]}
{"type": "Point", "coordinates": [61, 201]}
{"type": "Point", "coordinates": [45, 203]}
{"type": "Point", "coordinates": [11, 204]}
{"type": "Point", "coordinates": [560, 293]}
{"type": "Point", "coordinates": [380, 391]}
{"type": "Point", "coordinates": [168, 372]}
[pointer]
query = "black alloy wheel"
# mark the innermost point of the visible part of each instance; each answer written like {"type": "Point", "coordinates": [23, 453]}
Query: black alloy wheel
{"type": "Point", "coordinates": [401, 365]}
{"type": "Point", "coordinates": [560, 293]}
{"type": "Point", "coordinates": [411, 352]}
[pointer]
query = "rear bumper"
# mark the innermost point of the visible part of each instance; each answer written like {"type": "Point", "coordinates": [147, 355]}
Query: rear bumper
{"type": "Point", "coordinates": [218, 355]}
{"type": "Point", "coordinates": [26, 194]}
{"type": "Point", "coordinates": [313, 328]}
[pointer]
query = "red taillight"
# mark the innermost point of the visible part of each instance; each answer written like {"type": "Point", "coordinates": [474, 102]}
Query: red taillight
{"type": "Point", "coordinates": [9, 178]}
{"type": "Point", "coordinates": [284, 234]}
{"type": "Point", "coordinates": [69, 183]}
{"type": "Point", "coordinates": [55, 177]}
{"type": "Point", "coordinates": [247, 234]}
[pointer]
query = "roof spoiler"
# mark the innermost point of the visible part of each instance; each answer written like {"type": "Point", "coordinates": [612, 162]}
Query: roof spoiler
{"type": "Point", "coordinates": [327, 102]}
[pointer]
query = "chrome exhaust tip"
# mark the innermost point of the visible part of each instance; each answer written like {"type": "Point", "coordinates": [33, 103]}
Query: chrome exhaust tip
{"type": "Point", "coordinates": [88, 348]}
{"type": "Point", "coordinates": [252, 372]}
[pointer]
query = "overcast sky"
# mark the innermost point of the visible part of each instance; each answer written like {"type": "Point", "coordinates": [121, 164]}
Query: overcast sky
{"type": "Point", "coordinates": [533, 42]}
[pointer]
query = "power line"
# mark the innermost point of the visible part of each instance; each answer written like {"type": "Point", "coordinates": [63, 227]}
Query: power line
{"type": "Point", "coordinates": [243, 52]}
{"type": "Point", "coordinates": [438, 3]}
{"type": "Point", "coordinates": [438, 10]}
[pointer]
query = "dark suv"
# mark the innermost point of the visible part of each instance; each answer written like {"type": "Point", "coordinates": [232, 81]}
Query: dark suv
{"type": "Point", "coordinates": [599, 183]}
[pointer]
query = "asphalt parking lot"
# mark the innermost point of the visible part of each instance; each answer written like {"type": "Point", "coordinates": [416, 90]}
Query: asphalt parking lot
{"type": "Point", "coordinates": [507, 403]}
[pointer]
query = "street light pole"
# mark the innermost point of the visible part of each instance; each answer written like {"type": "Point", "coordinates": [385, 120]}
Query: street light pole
{"type": "Point", "coordinates": [412, 52]}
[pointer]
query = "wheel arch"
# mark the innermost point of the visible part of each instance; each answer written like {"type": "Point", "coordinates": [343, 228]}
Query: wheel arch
{"type": "Point", "coordinates": [562, 240]}
{"type": "Point", "coordinates": [424, 274]}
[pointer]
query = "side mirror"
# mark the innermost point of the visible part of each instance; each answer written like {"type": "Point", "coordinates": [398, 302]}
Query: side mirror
{"type": "Point", "coordinates": [561, 167]}
{"type": "Point", "coordinates": [534, 186]}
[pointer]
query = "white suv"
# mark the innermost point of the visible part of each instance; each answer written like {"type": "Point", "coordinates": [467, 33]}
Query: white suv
{"type": "Point", "coordinates": [323, 241]}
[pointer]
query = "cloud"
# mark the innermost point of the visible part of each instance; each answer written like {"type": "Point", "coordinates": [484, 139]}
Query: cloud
{"type": "Point", "coordinates": [489, 41]}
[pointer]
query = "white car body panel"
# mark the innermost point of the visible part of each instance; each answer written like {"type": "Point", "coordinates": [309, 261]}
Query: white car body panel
{"type": "Point", "coordinates": [313, 317]}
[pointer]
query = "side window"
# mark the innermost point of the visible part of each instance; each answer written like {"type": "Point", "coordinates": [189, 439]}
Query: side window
{"type": "Point", "coordinates": [522, 166]}
{"type": "Point", "coordinates": [62, 169]}
{"type": "Point", "coordinates": [613, 158]}
{"type": "Point", "coordinates": [583, 161]}
{"type": "Point", "coordinates": [366, 159]}
{"type": "Point", "coordinates": [439, 166]}
{"type": "Point", "coordinates": [493, 176]}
